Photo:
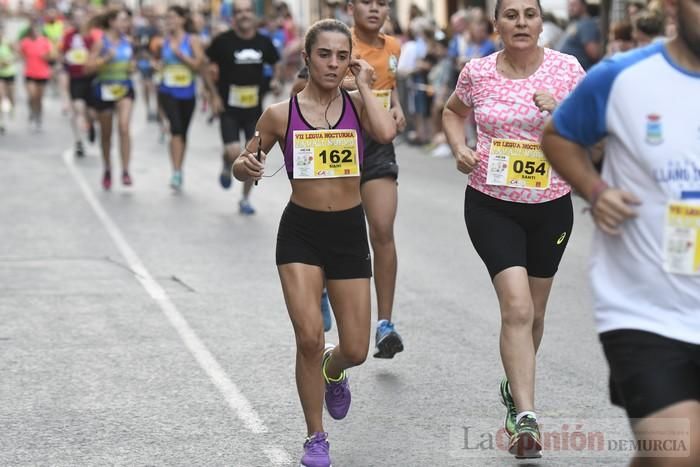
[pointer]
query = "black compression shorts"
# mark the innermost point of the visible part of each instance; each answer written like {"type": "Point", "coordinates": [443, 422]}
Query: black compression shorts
{"type": "Point", "coordinates": [336, 241]}
{"type": "Point", "coordinates": [507, 234]}
{"type": "Point", "coordinates": [178, 112]}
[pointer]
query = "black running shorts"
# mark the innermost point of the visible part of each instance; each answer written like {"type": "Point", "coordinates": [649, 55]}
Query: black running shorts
{"type": "Point", "coordinates": [102, 106]}
{"type": "Point", "coordinates": [379, 161]}
{"type": "Point", "coordinates": [233, 121]}
{"type": "Point", "coordinates": [507, 234]}
{"type": "Point", "coordinates": [81, 89]}
{"type": "Point", "coordinates": [41, 81]}
{"type": "Point", "coordinates": [178, 112]}
{"type": "Point", "coordinates": [649, 372]}
{"type": "Point", "coordinates": [336, 241]}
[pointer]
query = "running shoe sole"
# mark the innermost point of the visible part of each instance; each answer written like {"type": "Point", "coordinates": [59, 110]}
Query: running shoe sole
{"type": "Point", "coordinates": [304, 465]}
{"type": "Point", "coordinates": [526, 447]}
{"type": "Point", "coordinates": [389, 346]}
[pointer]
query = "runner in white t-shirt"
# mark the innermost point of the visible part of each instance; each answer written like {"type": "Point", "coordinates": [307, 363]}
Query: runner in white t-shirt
{"type": "Point", "coordinates": [645, 261]}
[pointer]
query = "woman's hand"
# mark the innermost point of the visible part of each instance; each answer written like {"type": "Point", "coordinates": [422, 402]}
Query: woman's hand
{"type": "Point", "coordinates": [467, 159]}
{"type": "Point", "coordinates": [250, 166]}
{"type": "Point", "coordinates": [545, 101]}
{"type": "Point", "coordinates": [363, 72]}
{"type": "Point", "coordinates": [398, 116]}
{"type": "Point", "coordinates": [175, 47]}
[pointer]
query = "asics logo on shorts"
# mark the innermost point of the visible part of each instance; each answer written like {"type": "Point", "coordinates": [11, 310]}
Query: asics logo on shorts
{"type": "Point", "coordinates": [561, 238]}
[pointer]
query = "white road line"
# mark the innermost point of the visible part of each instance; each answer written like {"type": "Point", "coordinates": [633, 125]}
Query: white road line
{"type": "Point", "coordinates": [233, 396]}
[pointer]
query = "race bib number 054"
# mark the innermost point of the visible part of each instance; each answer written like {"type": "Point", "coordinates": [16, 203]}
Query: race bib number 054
{"type": "Point", "coordinates": [682, 238]}
{"type": "Point", "coordinates": [325, 154]}
{"type": "Point", "coordinates": [519, 164]}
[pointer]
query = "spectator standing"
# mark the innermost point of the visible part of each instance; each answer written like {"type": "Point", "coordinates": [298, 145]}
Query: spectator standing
{"type": "Point", "coordinates": [582, 38]}
{"type": "Point", "coordinates": [647, 28]}
{"type": "Point", "coordinates": [551, 31]}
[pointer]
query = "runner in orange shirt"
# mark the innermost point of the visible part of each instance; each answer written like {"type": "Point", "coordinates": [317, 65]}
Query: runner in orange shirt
{"type": "Point", "coordinates": [380, 171]}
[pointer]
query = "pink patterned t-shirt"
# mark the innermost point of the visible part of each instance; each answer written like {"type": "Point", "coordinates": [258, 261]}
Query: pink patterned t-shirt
{"type": "Point", "coordinates": [504, 108]}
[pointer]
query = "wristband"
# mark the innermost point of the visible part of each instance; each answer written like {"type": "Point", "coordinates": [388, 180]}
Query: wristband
{"type": "Point", "coordinates": [597, 190]}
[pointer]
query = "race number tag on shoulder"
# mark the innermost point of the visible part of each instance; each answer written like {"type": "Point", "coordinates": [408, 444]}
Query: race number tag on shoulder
{"type": "Point", "coordinates": [682, 238]}
{"type": "Point", "coordinates": [326, 154]}
{"type": "Point", "coordinates": [177, 76]}
{"type": "Point", "coordinates": [77, 56]}
{"type": "Point", "coordinates": [243, 97]}
{"type": "Point", "coordinates": [113, 92]}
{"type": "Point", "coordinates": [384, 96]}
{"type": "Point", "coordinates": [518, 164]}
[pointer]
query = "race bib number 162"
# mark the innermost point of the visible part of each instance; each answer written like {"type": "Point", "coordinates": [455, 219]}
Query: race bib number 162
{"type": "Point", "coordinates": [325, 154]}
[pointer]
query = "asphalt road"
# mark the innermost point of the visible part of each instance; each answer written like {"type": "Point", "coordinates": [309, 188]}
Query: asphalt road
{"type": "Point", "coordinates": [143, 327]}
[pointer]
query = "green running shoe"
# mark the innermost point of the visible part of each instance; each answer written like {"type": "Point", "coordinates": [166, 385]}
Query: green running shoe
{"type": "Point", "coordinates": [526, 442]}
{"type": "Point", "coordinates": [507, 400]}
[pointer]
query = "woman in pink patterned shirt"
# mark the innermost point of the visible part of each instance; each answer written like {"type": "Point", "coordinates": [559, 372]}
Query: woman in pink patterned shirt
{"type": "Point", "coordinates": [518, 211]}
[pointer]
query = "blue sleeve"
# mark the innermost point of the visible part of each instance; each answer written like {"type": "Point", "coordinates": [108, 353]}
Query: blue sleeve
{"type": "Point", "coordinates": [581, 117]}
{"type": "Point", "coordinates": [453, 48]}
{"type": "Point", "coordinates": [489, 48]}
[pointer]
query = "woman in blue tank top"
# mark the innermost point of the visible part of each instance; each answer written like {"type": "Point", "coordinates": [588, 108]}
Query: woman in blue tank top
{"type": "Point", "coordinates": [322, 233]}
{"type": "Point", "coordinates": [112, 60]}
{"type": "Point", "coordinates": [180, 60]}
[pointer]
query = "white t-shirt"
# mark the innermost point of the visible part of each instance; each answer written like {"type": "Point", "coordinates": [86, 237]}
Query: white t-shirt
{"type": "Point", "coordinates": [649, 108]}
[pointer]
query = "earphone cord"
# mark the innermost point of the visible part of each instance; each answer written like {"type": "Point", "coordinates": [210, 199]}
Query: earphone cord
{"type": "Point", "coordinates": [264, 176]}
{"type": "Point", "coordinates": [325, 114]}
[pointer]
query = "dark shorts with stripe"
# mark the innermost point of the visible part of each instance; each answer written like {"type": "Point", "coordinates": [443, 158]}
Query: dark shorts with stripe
{"type": "Point", "coordinates": [379, 161]}
{"type": "Point", "coordinates": [336, 241]}
{"type": "Point", "coordinates": [507, 234]}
